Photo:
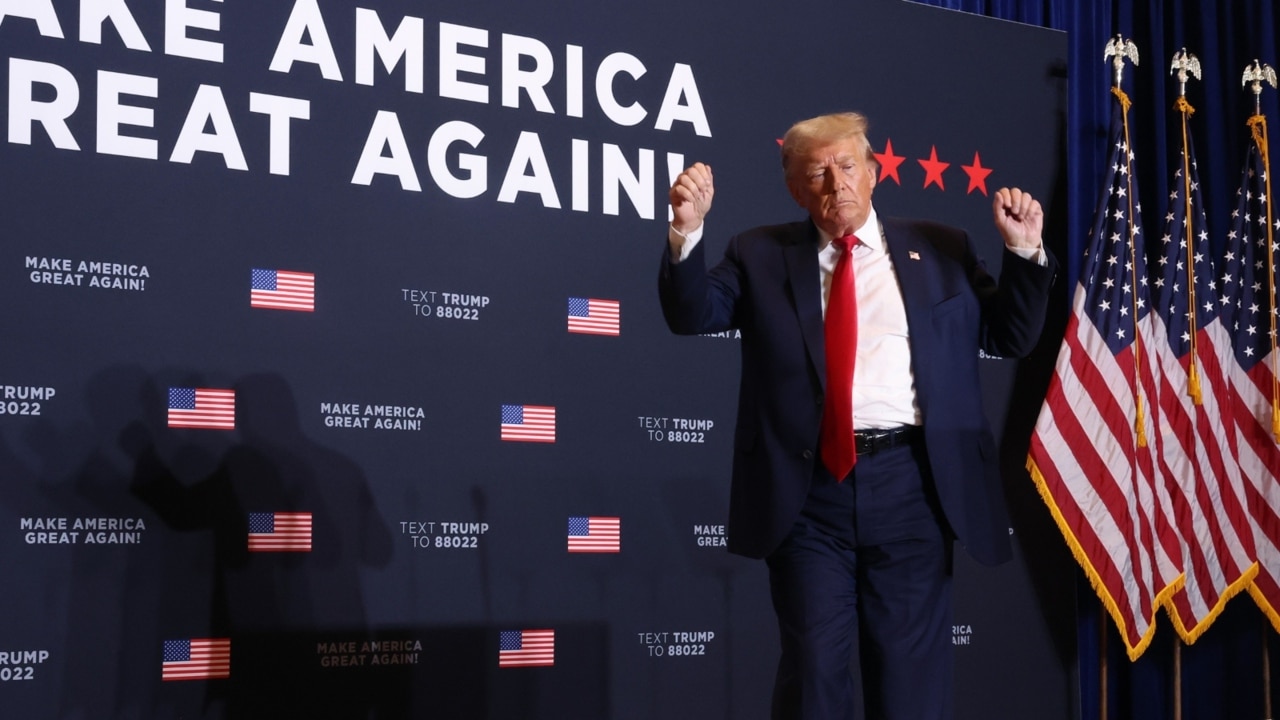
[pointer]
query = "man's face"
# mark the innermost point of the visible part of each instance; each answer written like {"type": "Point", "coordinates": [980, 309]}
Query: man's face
{"type": "Point", "coordinates": [834, 183]}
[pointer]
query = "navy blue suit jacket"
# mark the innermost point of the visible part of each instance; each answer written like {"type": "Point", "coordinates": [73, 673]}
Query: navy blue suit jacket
{"type": "Point", "coordinates": [768, 287]}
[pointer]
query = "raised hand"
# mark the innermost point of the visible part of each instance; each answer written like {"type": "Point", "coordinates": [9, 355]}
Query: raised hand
{"type": "Point", "coordinates": [1019, 218]}
{"type": "Point", "coordinates": [691, 196]}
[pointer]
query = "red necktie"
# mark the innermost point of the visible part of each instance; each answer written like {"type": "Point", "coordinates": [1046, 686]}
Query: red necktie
{"type": "Point", "coordinates": [837, 445]}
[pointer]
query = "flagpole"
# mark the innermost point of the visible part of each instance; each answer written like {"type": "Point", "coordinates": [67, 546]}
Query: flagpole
{"type": "Point", "coordinates": [1255, 75]}
{"type": "Point", "coordinates": [1102, 662]}
{"type": "Point", "coordinates": [1119, 49]}
{"type": "Point", "coordinates": [1177, 679]}
{"type": "Point", "coordinates": [1186, 65]}
{"type": "Point", "coordinates": [1266, 672]}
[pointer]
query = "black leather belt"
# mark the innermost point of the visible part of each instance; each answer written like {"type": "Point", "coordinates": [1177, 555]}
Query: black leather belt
{"type": "Point", "coordinates": [868, 442]}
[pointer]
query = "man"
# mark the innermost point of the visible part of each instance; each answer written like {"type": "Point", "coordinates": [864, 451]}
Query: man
{"type": "Point", "coordinates": [858, 546]}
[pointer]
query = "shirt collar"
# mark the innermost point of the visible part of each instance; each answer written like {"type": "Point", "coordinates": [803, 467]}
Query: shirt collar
{"type": "Point", "coordinates": [868, 234]}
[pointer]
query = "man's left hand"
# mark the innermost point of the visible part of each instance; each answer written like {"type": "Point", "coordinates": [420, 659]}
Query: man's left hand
{"type": "Point", "coordinates": [1019, 218]}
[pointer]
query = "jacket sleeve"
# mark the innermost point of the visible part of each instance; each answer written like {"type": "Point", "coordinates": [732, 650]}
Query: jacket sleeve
{"type": "Point", "coordinates": [696, 300]}
{"type": "Point", "coordinates": [1013, 312]}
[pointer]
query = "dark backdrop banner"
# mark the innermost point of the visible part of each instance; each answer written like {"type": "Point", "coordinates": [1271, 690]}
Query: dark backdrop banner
{"type": "Point", "coordinates": [333, 378]}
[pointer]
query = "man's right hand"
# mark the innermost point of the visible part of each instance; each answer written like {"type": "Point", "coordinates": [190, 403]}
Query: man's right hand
{"type": "Point", "coordinates": [691, 198]}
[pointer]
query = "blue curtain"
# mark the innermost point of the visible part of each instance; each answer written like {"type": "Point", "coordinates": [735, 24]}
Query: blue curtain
{"type": "Point", "coordinates": [1222, 675]}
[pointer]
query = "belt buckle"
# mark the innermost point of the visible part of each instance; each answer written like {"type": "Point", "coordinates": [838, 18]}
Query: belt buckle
{"type": "Point", "coordinates": [870, 442]}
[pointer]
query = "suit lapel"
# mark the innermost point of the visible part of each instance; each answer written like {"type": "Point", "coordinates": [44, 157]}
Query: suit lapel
{"type": "Point", "coordinates": [801, 257]}
{"type": "Point", "coordinates": [912, 260]}
{"type": "Point", "coordinates": [913, 263]}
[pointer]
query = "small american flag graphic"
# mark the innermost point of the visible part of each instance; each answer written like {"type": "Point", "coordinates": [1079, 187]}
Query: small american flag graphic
{"type": "Point", "coordinates": [207, 408]}
{"type": "Point", "coordinates": [595, 534]}
{"type": "Point", "coordinates": [589, 316]}
{"type": "Point", "coordinates": [280, 532]}
{"type": "Point", "coordinates": [201, 659]}
{"type": "Point", "coordinates": [527, 648]}
{"type": "Point", "coordinates": [282, 290]}
{"type": "Point", "coordinates": [528, 423]}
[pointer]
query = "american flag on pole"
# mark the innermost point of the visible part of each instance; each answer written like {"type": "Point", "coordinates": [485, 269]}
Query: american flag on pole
{"type": "Point", "coordinates": [282, 290]}
{"type": "Point", "coordinates": [526, 648]}
{"type": "Point", "coordinates": [1195, 457]}
{"type": "Point", "coordinates": [595, 535]}
{"type": "Point", "coordinates": [202, 408]}
{"type": "Point", "coordinates": [1249, 315]}
{"type": "Point", "coordinates": [1091, 453]}
{"type": "Point", "coordinates": [280, 532]}
{"type": "Point", "coordinates": [201, 659]}
{"type": "Point", "coordinates": [590, 316]}
{"type": "Point", "coordinates": [528, 423]}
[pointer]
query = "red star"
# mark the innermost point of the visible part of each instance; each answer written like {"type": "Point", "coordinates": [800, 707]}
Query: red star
{"type": "Point", "coordinates": [889, 162]}
{"type": "Point", "coordinates": [977, 174]}
{"type": "Point", "coordinates": [933, 168]}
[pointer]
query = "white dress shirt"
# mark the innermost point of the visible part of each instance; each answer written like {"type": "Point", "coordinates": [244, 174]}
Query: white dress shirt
{"type": "Point", "coordinates": [884, 393]}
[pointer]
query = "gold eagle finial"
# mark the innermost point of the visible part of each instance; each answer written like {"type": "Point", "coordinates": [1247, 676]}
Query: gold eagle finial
{"type": "Point", "coordinates": [1117, 50]}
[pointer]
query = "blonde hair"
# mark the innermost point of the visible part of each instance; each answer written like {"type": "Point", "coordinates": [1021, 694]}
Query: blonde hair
{"type": "Point", "coordinates": [824, 130]}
